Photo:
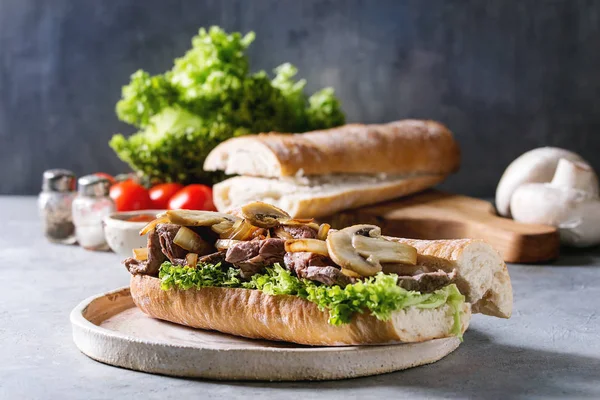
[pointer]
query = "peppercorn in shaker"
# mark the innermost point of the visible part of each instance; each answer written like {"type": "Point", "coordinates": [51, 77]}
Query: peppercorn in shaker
{"type": "Point", "coordinates": [54, 203]}
{"type": "Point", "coordinates": [90, 207]}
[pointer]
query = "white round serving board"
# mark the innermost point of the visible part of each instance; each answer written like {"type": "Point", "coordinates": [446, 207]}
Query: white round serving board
{"type": "Point", "coordinates": [109, 328]}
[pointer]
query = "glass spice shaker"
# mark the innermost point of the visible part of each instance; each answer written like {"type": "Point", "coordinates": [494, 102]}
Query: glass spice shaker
{"type": "Point", "coordinates": [54, 204]}
{"type": "Point", "coordinates": [90, 207]}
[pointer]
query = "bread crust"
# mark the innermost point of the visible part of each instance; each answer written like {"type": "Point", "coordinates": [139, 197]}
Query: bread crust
{"type": "Point", "coordinates": [254, 314]}
{"type": "Point", "coordinates": [401, 147]}
{"type": "Point", "coordinates": [482, 274]}
{"type": "Point", "coordinates": [323, 204]}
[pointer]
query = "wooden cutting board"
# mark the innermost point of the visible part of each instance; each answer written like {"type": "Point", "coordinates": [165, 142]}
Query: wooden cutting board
{"type": "Point", "coordinates": [109, 328]}
{"type": "Point", "coordinates": [437, 215]}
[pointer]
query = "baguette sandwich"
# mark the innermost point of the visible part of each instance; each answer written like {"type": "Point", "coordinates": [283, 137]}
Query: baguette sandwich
{"type": "Point", "coordinates": [318, 173]}
{"type": "Point", "coordinates": [258, 273]}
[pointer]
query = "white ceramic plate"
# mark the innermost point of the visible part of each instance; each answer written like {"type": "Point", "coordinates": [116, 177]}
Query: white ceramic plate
{"type": "Point", "coordinates": [110, 329]}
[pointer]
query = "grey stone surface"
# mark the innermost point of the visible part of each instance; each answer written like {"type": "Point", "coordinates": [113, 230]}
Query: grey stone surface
{"type": "Point", "coordinates": [505, 76]}
{"type": "Point", "coordinates": [550, 348]}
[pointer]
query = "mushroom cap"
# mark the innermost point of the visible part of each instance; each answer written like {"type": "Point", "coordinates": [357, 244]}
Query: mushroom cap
{"type": "Point", "coordinates": [263, 215]}
{"type": "Point", "coordinates": [343, 253]}
{"type": "Point", "coordinates": [534, 166]}
{"type": "Point", "coordinates": [576, 213]}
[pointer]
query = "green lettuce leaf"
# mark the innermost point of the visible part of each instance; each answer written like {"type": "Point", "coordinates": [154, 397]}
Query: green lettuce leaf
{"type": "Point", "coordinates": [209, 96]}
{"type": "Point", "coordinates": [380, 295]}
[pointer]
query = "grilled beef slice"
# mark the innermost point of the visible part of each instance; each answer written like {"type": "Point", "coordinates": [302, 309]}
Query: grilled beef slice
{"type": "Point", "coordinates": [251, 257]}
{"type": "Point", "coordinates": [154, 261]}
{"type": "Point", "coordinates": [166, 233]}
{"type": "Point", "coordinates": [427, 282]}
{"type": "Point", "coordinates": [214, 258]}
{"type": "Point", "coordinates": [300, 231]}
{"type": "Point", "coordinates": [315, 267]}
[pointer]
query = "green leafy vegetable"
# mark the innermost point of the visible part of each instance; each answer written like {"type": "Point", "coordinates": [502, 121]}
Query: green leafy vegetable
{"type": "Point", "coordinates": [207, 97]}
{"type": "Point", "coordinates": [206, 275]}
{"type": "Point", "coordinates": [380, 294]}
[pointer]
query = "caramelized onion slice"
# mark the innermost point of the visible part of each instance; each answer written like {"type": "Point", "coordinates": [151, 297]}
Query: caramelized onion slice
{"type": "Point", "coordinates": [223, 228]}
{"type": "Point", "coordinates": [241, 230]}
{"type": "Point", "coordinates": [281, 233]}
{"type": "Point", "coordinates": [191, 241]}
{"type": "Point", "coordinates": [140, 254]}
{"type": "Point", "coordinates": [191, 259]}
{"type": "Point", "coordinates": [307, 245]}
{"type": "Point", "coordinates": [152, 224]}
{"type": "Point", "coordinates": [323, 231]}
{"type": "Point", "coordinates": [223, 244]}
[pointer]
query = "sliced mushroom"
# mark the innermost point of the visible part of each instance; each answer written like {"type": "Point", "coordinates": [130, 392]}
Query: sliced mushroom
{"type": "Point", "coordinates": [361, 249]}
{"type": "Point", "coordinates": [350, 273]}
{"type": "Point", "coordinates": [199, 218]}
{"type": "Point", "coordinates": [307, 222]}
{"type": "Point", "coordinates": [385, 251]}
{"type": "Point", "coordinates": [264, 215]}
{"type": "Point", "coordinates": [343, 253]}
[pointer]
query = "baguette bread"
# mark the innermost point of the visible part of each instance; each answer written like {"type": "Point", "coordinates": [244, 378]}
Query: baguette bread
{"type": "Point", "coordinates": [310, 197]}
{"type": "Point", "coordinates": [254, 314]}
{"type": "Point", "coordinates": [397, 148]}
{"type": "Point", "coordinates": [482, 275]}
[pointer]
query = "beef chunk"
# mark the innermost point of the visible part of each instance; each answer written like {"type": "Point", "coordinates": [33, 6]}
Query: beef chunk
{"type": "Point", "coordinates": [166, 233]}
{"type": "Point", "coordinates": [300, 231]}
{"type": "Point", "coordinates": [427, 282]}
{"type": "Point", "coordinates": [161, 248]}
{"type": "Point", "coordinates": [327, 275]}
{"type": "Point", "coordinates": [315, 267]}
{"type": "Point", "coordinates": [155, 259]}
{"type": "Point", "coordinates": [251, 257]}
{"type": "Point", "coordinates": [214, 258]}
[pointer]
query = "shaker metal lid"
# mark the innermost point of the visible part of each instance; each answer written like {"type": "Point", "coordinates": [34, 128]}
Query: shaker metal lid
{"type": "Point", "coordinates": [58, 180]}
{"type": "Point", "coordinates": [94, 186]}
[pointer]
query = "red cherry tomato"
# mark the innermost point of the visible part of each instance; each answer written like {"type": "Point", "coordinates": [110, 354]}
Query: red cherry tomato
{"type": "Point", "coordinates": [193, 197]}
{"type": "Point", "coordinates": [161, 194]}
{"type": "Point", "coordinates": [129, 196]}
{"type": "Point", "coordinates": [104, 175]}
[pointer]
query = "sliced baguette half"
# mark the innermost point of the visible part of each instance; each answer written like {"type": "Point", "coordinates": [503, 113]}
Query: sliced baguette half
{"type": "Point", "coordinates": [401, 147]}
{"type": "Point", "coordinates": [313, 197]}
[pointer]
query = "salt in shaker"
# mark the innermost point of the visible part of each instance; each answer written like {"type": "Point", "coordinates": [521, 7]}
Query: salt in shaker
{"type": "Point", "coordinates": [54, 203]}
{"type": "Point", "coordinates": [90, 207]}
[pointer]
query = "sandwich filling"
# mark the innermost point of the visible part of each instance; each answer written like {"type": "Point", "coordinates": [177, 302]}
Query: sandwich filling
{"type": "Point", "coordinates": [344, 272]}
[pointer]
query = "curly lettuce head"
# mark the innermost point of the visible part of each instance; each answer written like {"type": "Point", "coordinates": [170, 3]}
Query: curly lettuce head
{"type": "Point", "coordinates": [169, 148]}
{"type": "Point", "coordinates": [207, 97]}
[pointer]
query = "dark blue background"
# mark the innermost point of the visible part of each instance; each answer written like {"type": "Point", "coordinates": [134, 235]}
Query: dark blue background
{"type": "Point", "coordinates": [505, 76]}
